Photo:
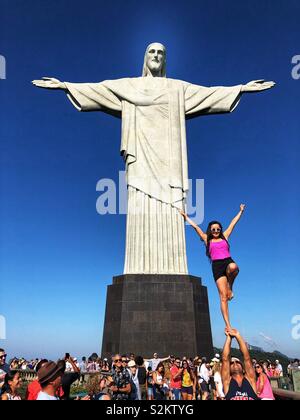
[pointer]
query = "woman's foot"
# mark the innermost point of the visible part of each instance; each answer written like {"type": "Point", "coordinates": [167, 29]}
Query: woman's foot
{"type": "Point", "coordinates": [228, 329]}
{"type": "Point", "coordinates": [230, 295]}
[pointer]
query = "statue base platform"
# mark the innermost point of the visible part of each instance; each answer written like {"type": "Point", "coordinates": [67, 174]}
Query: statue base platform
{"type": "Point", "coordinates": [166, 314]}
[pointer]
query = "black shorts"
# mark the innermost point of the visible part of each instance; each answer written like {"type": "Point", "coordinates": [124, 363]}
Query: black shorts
{"type": "Point", "coordinates": [219, 267]}
{"type": "Point", "coordinates": [204, 386]}
{"type": "Point", "coordinates": [187, 390]}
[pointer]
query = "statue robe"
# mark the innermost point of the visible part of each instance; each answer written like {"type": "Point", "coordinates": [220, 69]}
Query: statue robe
{"type": "Point", "coordinates": [153, 112]}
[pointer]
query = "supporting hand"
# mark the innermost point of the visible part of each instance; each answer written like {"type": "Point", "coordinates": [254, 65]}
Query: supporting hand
{"type": "Point", "coordinates": [233, 333]}
{"type": "Point", "coordinates": [257, 86]}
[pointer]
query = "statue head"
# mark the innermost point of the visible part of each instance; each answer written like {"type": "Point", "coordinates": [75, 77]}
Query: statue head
{"type": "Point", "coordinates": [155, 61]}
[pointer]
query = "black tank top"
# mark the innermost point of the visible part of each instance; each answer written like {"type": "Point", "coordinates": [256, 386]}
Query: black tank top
{"type": "Point", "coordinates": [243, 393]}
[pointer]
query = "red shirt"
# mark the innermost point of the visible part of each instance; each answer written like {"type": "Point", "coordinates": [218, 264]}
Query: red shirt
{"type": "Point", "coordinates": [33, 391]}
{"type": "Point", "coordinates": [175, 383]}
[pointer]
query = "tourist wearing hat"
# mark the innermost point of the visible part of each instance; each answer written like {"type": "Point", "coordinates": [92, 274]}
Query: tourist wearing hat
{"type": "Point", "coordinates": [34, 388]}
{"type": "Point", "coordinates": [50, 380]}
{"type": "Point", "coordinates": [134, 381]}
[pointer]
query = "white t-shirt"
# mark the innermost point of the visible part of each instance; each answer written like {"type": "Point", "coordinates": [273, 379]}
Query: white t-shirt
{"type": "Point", "coordinates": [154, 363]}
{"type": "Point", "coordinates": [219, 384]}
{"type": "Point", "coordinates": [204, 373]}
{"type": "Point", "coordinates": [69, 367]}
{"type": "Point", "coordinates": [45, 397]}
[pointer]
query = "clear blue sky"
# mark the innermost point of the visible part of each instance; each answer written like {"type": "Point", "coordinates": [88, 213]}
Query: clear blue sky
{"type": "Point", "coordinates": [57, 255]}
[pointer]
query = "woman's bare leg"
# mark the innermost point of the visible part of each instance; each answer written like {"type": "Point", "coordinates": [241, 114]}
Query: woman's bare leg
{"type": "Point", "coordinates": [184, 396]}
{"type": "Point", "coordinates": [232, 272]}
{"type": "Point", "coordinates": [222, 285]}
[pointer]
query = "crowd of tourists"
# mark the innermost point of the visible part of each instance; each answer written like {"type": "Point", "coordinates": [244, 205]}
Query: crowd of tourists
{"type": "Point", "coordinates": [131, 377]}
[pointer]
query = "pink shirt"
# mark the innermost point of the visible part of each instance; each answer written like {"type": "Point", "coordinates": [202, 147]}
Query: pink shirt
{"type": "Point", "coordinates": [267, 392]}
{"type": "Point", "coordinates": [219, 250]}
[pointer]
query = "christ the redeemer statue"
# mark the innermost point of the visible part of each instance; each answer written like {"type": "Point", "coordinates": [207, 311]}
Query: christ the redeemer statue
{"type": "Point", "coordinates": [154, 110]}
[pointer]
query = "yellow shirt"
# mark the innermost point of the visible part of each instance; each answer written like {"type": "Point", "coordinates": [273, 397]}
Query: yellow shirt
{"type": "Point", "coordinates": [186, 380]}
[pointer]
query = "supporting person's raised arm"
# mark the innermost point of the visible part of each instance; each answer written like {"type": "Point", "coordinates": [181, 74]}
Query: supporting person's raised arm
{"type": "Point", "coordinates": [234, 221]}
{"type": "Point", "coordinates": [225, 371]}
{"type": "Point", "coordinates": [200, 232]}
{"type": "Point", "coordinates": [250, 372]}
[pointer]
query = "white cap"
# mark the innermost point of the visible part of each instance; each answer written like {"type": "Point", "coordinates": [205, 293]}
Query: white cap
{"type": "Point", "coordinates": [131, 364]}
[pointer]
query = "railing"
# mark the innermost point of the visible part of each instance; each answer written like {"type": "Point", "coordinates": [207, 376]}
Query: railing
{"type": "Point", "coordinates": [31, 375]}
{"type": "Point", "coordinates": [282, 394]}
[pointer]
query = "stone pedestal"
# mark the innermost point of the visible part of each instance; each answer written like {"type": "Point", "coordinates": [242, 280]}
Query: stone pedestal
{"type": "Point", "coordinates": [167, 314]}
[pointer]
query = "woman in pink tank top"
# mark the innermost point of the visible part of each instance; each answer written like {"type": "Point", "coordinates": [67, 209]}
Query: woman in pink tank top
{"type": "Point", "coordinates": [264, 388]}
{"type": "Point", "coordinates": [225, 270]}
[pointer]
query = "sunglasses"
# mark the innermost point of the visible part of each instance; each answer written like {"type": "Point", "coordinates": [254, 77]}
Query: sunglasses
{"type": "Point", "coordinates": [258, 367]}
{"type": "Point", "coordinates": [124, 361]}
{"type": "Point", "coordinates": [118, 360]}
{"type": "Point", "coordinates": [216, 230]}
{"type": "Point", "coordinates": [4, 356]}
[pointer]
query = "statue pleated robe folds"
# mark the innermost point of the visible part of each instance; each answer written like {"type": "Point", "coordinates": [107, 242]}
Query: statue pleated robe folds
{"type": "Point", "coordinates": [154, 113]}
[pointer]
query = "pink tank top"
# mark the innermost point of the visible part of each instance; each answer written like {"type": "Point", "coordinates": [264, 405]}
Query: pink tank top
{"type": "Point", "coordinates": [219, 250]}
{"type": "Point", "coordinates": [267, 392]}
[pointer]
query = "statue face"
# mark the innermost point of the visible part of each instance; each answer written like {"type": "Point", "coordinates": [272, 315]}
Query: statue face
{"type": "Point", "coordinates": [155, 57]}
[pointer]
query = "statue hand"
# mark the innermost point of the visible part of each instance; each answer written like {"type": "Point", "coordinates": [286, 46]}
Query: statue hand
{"type": "Point", "coordinates": [258, 86]}
{"type": "Point", "coordinates": [49, 83]}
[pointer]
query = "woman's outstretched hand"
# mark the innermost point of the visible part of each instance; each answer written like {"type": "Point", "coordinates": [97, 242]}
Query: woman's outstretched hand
{"type": "Point", "coordinates": [183, 214]}
{"type": "Point", "coordinates": [243, 207]}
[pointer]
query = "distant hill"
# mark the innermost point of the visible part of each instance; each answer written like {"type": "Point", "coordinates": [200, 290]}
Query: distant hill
{"type": "Point", "coordinates": [261, 355]}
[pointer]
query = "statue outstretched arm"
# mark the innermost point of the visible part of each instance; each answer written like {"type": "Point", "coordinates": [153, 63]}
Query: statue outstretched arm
{"type": "Point", "coordinates": [201, 100]}
{"type": "Point", "coordinates": [85, 96]}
